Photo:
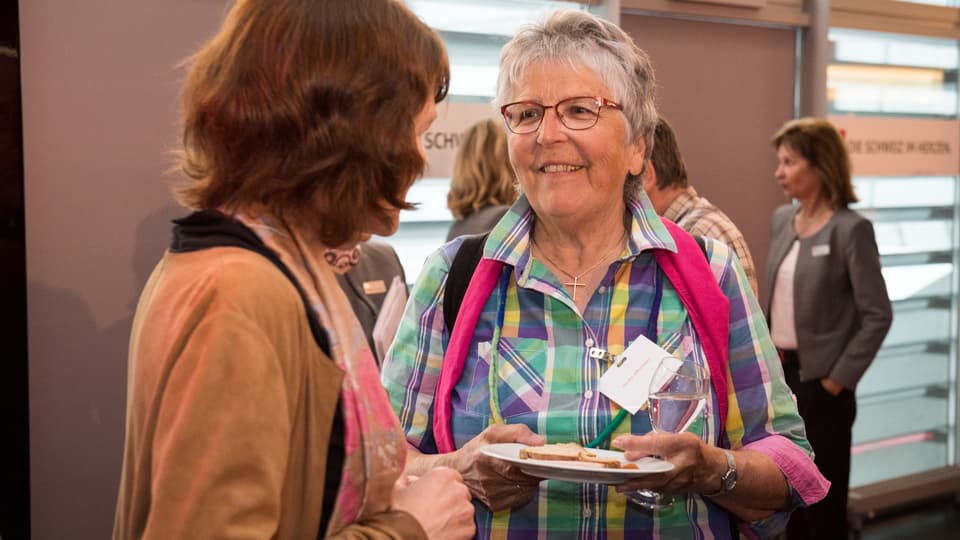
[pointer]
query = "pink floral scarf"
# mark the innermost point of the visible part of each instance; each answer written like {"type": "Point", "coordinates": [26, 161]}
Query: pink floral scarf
{"type": "Point", "coordinates": [375, 448]}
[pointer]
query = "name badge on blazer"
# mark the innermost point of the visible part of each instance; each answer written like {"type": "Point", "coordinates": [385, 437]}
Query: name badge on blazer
{"type": "Point", "coordinates": [374, 287]}
{"type": "Point", "coordinates": [820, 251]}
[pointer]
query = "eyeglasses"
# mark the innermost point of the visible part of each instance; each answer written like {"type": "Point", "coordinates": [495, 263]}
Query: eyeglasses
{"type": "Point", "coordinates": [576, 113]}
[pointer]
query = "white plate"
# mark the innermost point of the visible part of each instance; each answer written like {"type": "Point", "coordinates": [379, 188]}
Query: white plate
{"type": "Point", "coordinates": [577, 471]}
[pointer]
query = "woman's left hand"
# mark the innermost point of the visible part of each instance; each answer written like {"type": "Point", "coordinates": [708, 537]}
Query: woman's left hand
{"type": "Point", "coordinates": [695, 466]}
{"type": "Point", "coordinates": [831, 386]}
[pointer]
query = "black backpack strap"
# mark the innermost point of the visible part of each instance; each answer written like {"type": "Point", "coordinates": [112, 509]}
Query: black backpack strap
{"type": "Point", "coordinates": [459, 275]}
{"type": "Point", "coordinates": [703, 246]}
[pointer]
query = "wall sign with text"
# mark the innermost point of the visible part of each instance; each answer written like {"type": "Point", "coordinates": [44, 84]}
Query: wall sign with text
{"type": "Point", "coordinates": [443, 138]}
{"type": "Point", "coordinates": [901, 146]}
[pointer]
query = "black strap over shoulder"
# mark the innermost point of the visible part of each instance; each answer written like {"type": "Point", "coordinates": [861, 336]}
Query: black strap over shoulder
{"type": "Point", "coordinates": [703, 247]}
{"type": "Point", "coordinates": [458, 278]}
{"type": "Point", "coordinates": [210, 228]}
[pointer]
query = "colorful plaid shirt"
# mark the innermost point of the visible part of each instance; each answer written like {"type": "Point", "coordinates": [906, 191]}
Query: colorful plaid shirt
{"type": "Point", "coordinates": [545, 379]}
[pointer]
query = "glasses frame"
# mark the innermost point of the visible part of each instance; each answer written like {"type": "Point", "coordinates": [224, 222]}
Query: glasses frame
{"type": "Point", "coordinates": [600, 100]}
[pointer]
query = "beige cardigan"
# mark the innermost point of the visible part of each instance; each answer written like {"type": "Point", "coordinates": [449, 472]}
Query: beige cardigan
{"type": "Point", "coordinates": [229, 408]}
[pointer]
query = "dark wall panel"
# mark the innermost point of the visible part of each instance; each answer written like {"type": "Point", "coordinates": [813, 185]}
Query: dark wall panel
{"type": "Point", "coordinates": [14, 433]}
{"type": "Point", "coordinates": [100, 85]}
{"type": "Point", "coordinates": [725, 89]}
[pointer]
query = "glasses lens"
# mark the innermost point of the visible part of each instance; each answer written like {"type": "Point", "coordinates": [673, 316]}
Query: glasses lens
{"type": "Point", "coordinates": [579, 113]}
{"type": "Point", "coordinates": [523, 117]}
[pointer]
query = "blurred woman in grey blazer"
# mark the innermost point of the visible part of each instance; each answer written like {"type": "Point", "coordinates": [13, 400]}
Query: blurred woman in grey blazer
{"type": "Point", "coordinates": [826, 304]}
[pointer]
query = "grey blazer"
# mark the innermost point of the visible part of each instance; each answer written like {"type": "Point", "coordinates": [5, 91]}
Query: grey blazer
{"type": "Point", "coordinates": [840, 300]}
{"type": "Point", "coordinates": [367, 283]}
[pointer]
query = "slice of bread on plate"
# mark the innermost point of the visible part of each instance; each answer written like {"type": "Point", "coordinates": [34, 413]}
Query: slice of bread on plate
{"type": "Point", "coordinates": [568, 452]}
{"type": "Point", "coordinates": [553, 452]}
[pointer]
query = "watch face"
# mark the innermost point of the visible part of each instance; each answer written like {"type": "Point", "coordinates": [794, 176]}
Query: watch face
{"type": "Point", "coordinates": [729, 478]}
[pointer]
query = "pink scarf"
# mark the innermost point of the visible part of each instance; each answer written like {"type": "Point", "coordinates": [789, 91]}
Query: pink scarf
{"type": "Point", "coordinates": [375, 448]}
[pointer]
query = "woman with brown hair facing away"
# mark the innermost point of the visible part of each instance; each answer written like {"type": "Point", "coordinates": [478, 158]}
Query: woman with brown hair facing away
{"type": "Point", "coordinates": [254, 407]}
{"type": "Point", "coordinates": [826, 302]}
{"type": "Point", "coordinates": [483, 185]}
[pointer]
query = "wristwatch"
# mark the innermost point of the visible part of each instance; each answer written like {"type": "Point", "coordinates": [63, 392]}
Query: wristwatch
{"type": "Point", "coordinates": [729, 479]}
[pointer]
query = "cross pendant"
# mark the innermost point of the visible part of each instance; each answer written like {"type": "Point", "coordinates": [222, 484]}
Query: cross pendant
{"type": "Point", "coordinates": [575, 284]}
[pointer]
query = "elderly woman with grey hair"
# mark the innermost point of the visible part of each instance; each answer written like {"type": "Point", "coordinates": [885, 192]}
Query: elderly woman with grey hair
{"type": "Point", "coordinates": [579, 269]}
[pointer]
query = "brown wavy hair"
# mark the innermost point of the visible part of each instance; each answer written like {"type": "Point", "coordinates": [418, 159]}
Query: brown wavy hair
{"type": "Point", "coordinates": [481, 171]}
{"type": "Point", "coordinates": [304, 110]}
{"type": "Point", "coordinates": [818, 142]}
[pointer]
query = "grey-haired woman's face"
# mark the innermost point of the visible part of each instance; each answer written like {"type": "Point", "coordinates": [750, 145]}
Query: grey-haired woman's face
{"type": "Point", "coordinates": [571, 174]}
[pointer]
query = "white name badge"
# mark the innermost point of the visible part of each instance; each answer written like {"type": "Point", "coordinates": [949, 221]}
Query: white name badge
{"type": "Point", "coordinates": [627, 382]}
{"type": "Point", "coordinates": [820, 251]}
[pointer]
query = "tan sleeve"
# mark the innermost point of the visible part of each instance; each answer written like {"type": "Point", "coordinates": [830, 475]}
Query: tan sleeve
{"type": "Point", "coordinates": [393, 524]}
{"type": "Point", "coordinates": [222, 436]}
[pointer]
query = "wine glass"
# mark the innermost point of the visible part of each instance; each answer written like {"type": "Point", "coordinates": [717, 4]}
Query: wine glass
{"type": "Point", "coordinates": [678, 391]}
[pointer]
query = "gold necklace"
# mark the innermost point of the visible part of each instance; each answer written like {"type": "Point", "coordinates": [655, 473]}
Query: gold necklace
{"type": "Point", "coordinates": [576, 278]}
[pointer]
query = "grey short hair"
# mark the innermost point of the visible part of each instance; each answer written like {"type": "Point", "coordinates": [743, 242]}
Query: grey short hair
{"type": "Point", "coordinates": [584, 40]}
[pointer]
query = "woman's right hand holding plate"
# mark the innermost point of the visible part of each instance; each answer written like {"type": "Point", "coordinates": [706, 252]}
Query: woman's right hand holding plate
{"type": "Point", "coordinates": [496, 483]}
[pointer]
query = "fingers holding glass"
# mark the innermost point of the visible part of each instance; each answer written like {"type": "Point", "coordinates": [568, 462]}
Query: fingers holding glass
{"type": "Point", "coordinates": [678, 391]}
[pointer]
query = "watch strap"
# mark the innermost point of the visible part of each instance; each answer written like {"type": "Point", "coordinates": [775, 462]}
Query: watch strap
{"type": "Point", "coordinates": [728, 480]}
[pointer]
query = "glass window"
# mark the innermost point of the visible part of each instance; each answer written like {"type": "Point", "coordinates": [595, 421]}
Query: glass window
{"type": "Point", "coordinates": [907, 399]}
{"type": "Point", "coordinates": [473, 31]}
{"type": "Point", "coordinates": [947, 3]}
{"type": "Point", "coordinates": [890, 74]}
{"type": "Point", "coordinates": [904, 420]}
